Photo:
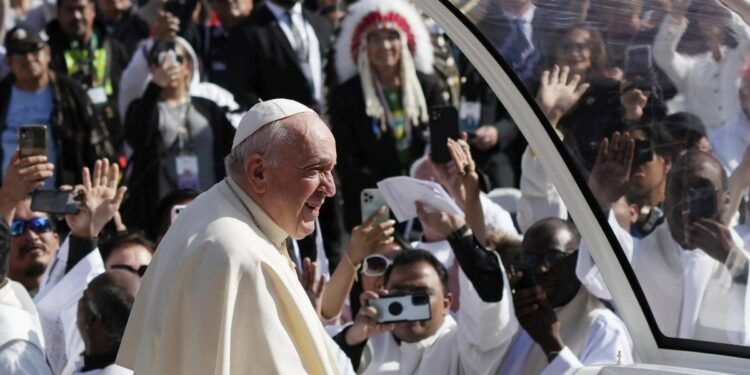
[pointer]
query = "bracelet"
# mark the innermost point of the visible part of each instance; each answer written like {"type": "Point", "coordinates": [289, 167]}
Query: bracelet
{"type": "Point", "coordinates": [354, 267]}
{"type": "Point", "coordinates": [458, 233]}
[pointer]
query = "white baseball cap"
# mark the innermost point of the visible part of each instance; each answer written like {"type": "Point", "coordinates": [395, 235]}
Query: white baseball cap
{"type": "Point", "coordinates": [265, 113]}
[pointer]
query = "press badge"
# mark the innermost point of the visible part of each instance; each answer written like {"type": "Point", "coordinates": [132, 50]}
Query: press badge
{"type": "Point", "coordinates": [187, 171]}
{"type": "Point", "coordinates": [97, 95]}
{"type": "Point", "coordinates": [468, 116]}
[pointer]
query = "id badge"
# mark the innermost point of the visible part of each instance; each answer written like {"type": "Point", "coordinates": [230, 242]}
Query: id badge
{"type": "Point", "coordinates": [97, 95]}
{"type": "Point", "coordinates": [468, 116]}
{"type": "Point", "coordinates": [187, 171]}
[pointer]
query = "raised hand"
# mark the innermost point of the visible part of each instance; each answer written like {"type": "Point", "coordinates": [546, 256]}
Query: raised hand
{"type": "Point", "coordinates": [557, 94]}
{"type": "Point", "coordinates": [459, 176]}
{"type": "Point", "coordinates": [442, 222]}
{"type": "Point", "coordinates": [366, 322]}
{"type": "Point", "coordinates": [712, 237]}
{"type": "Point", "coordinates": [610, 176]}
{"type": "Point", "coordinates": [537, 318]}
{"type": "Point", "coordinates": [634, 101]}
{"type": "Point", "coordinates": [314, 289]}
{"type": "Point", "coordinates": [101, 199]}
{"type": "Point", "coordinates": [367, 236]}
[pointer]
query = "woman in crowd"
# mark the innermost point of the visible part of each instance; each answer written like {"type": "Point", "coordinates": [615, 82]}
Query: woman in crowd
{"type": "Point", "coordinates": [178, 141]}
{"type": "Point", "coordinates": [379, 112]}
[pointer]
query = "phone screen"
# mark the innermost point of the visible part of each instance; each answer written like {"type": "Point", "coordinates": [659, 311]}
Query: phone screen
{"type": "Point", "coordinates": [32, 140]}
{"type": "Point", "coordinates": [54, 202]}
{"type": "Point", "coordinates": [443, 125]}
{"type": "Point", "coordinates": [176, 211]}
{"type": "Point", "coordinates": [410, 307]}
{"type": "Point", "coordinates": [371, 200]}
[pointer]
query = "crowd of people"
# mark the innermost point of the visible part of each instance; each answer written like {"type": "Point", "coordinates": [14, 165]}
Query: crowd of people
{"type": "Point", "coordinates": [264, 120]}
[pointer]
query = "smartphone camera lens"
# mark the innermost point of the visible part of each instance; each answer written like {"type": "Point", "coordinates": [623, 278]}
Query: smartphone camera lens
{"type": "Point", "coordinates": [420, 300]}
{"type": "Point", "coordinates": [395, 308]}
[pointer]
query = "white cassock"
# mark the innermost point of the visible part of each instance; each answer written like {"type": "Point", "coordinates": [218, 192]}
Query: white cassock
{"type": "Point", "coordinates": [593, 335]}
{"type": "Point", "coordinates": [57, 303]}
{"type": "Point", "coordinates": [474, 344]}
{"type": "Point", "coordinates": [222, 297]}
{"type": "Point", "coordinates": [691, 294]}
{"type": "Point", "coordinates": [539, 198]}
{"type": "Point", "coordinates": [21, 337]}
{"type": "Point", "coordinates": [112, 369]}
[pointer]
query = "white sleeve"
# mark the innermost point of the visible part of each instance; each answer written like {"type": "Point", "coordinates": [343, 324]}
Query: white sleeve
{"type": "Point", "coordinates": [676, 65]}
{"type": "Point", "coordinates": [135, 78]}
{"type": "Point", "coordinates": [588, 272]}
{"type": "Point", "coordinates": [22, 358]}
{"type": "Point", "coordinates": [539, 198]}
{"type": "Point", "coordinates": [565, 360]}
{"type": "Point", "coordinates": [485, 330]}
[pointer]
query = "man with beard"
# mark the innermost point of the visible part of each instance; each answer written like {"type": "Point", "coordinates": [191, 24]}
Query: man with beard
{"type": "Point", "coordinates": [34, 244]}
{"type": "Point", "coordinates": [694, 269]}
{"type": "Point", "coordinates": [21, 344]}
{"type": "Point", "coordinates": [570, 327]}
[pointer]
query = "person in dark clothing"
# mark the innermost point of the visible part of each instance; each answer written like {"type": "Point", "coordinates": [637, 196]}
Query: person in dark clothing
{"type": "Point", "coordinates": [278, 52]}
{"type": "Point", "coordinates": [33, 94]}
{"type": "Point", "coordinates": [122, 23]}
{"type": "Point", "coordinates": [379, 113]}
{"type": "Point", "coordinates": [82, 51]}
{"type": "Point", "coordinates": [214, 48]}
{"type": "Point", "coordinates": [178, 141]}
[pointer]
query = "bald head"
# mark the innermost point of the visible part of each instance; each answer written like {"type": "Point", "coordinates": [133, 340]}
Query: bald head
{"type": "Point", "coordinates": [551, 234]}
{"type": "Point", "coordinates": [698, 162]}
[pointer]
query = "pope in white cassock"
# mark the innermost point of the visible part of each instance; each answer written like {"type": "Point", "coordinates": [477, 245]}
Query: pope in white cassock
{"type": "Point", "coordinates": [221, 296]}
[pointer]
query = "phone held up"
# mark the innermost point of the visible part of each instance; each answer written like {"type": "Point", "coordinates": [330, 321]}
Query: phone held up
{"type": "Point", "coordinates": [32, 140]}
{"type": "Point", "coordinates": [55, 202]}
{"type": "Point", "coordinates": [443, 125]}
{"type": "Point", "coordinates": [409, 307]}
{"type": "Point", "coordinates": [371, 200]}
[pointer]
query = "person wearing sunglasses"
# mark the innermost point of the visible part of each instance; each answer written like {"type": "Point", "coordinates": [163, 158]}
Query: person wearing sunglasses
{"type": "Point", "coordinates": [130, 251]}
{"type": "Point", "coordinates": [34, 244]}
{"type": "Point", "coordinates": [21, 349]}
{"type": "Point", "coordinates": [563, 326]}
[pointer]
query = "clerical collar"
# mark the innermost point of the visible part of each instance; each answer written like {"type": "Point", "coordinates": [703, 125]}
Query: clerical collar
{"type": "Point", "coordinates": [265, 223]}
{"type": "Point", "coordinates": [98, 361]}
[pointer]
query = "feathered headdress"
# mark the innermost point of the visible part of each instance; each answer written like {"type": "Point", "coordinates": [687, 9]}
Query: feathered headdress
{"type": "Point", "coordinates": [366, 16]}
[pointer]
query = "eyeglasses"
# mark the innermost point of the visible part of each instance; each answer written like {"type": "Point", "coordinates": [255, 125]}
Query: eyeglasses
{"type": "Point", "coordinates": [140, 271]}
{"type": "Point", "coordinates": [375, 265]}
{"type": "Point", "coordinates": [37, 224]}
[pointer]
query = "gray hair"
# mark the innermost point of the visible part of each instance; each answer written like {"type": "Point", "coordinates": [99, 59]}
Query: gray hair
{"type": "Point", "coordinates": [269, 142]}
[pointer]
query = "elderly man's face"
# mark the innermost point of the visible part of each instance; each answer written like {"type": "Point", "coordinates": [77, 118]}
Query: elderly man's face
{"type": "Point", "coordinates": [301, 180]}
{"type": "Point", "coordinates": [32, 250]}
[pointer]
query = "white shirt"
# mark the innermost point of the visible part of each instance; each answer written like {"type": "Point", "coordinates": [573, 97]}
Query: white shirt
{"type": "Point", "coordinates": [21, 338]}
{"type": "Point", "coordinates": [313, 45]}
{"type": "Point", "coordinates": [709, 87]}
{"type": "Point", "coordinates": [593, 336]}
{"type": "Point", "coordinates": [539, 198]}
{"type": "Point", "coordinates": [57, 303]}
{"type": "Point", "coordinates": [730, 141]}
{"type": "Point", "coordinates": [474, 344]}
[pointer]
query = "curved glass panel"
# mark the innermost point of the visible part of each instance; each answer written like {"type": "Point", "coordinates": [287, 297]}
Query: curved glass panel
{"type": "Point", "coordinates": [651, 100]}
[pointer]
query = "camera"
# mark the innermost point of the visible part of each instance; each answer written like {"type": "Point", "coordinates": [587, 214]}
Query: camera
{"type": "Point", "coordinates": [410, 307]}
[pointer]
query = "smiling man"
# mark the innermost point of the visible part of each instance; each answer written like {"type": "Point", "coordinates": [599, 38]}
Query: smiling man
{"type": "Point", "coordinates": [221, 296]}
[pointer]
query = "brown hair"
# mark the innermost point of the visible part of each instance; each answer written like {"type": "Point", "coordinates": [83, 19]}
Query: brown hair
{"type": "Point", "coordinates": [599, 58]}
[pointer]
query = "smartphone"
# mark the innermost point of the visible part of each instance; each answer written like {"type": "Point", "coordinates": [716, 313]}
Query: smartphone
{"type": "Point", "coordinates": [32, 140]}
{"type": "Point", "coordinates": [372, 200]}
{"type": "Point", "coordinates": [638, 60]}
{"type": "Point", "coordinates": [443, 125]}
{"type": "Point", "coordinates": [177, 210]}
{"type": "Point", "coordinates": [643, 152]}
{"type": "Point", "coordinates": [54, 202]}
{"type": "Point", "coordinates": [409, 307]}
{"type": "Point", "coordinates": [702, 203]}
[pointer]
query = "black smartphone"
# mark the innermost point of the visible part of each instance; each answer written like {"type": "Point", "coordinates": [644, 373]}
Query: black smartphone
{"type": "Point", "coordinates": [638, 60]}
{"type": "Point", "coordinates": [409, 307]}
{"type": "Point", "coordinates": [702, 203]}
{"type": "Point", "coordinates": [32, 140]}
{"type": "Point", "coordinates": [443, 125]}
{"type": "Point", "coordinates": [643, 152]}
{"type": "Point", "coordinates": [54, 202]}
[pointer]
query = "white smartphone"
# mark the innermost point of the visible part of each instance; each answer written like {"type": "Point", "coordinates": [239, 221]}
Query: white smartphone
{"type": "Point", "coordinates": [371, 200]}
{"type": "Point", "coordinates": [411, 307]}
{"type": "Point", "coordinates": [177, 210]}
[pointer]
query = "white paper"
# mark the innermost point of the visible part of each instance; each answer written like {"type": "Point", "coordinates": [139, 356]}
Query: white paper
{"type": "Point", "coordinates": [402, 193]}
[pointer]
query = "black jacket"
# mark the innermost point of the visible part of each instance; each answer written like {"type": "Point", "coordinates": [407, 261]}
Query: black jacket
{"type": "Point", "coordinates": [143, 135]}
{"type": "Point", "coordinates": [363, 157]}
{"type": "Point", "coordinates": [263, 62]}
{"type": "Point", "coordinates": [79, 134]}
{"type": "Point", "coordinates": [117, 61]}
